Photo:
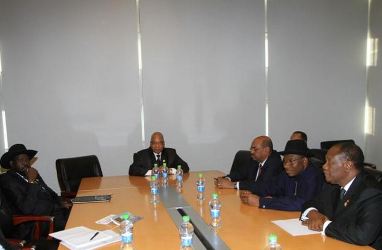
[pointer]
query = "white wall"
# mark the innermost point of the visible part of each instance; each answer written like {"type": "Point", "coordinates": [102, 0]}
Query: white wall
{"type": "Point", "coordinates": [317, 70]}
{"type": "Point", "coordinates": [70, 83]}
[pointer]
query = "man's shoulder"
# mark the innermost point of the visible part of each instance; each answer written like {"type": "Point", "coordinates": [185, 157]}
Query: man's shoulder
{"type": "Point", "coordinates": [143, 151]}
{"type": "Point", "coordinates": [169, 151]}
{"type": "Point", "coordinates": [370, 186]}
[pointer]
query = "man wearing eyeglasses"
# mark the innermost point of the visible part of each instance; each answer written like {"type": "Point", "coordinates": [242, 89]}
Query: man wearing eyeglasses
{"type": "Point", "coordinates": [157, 153]}
{"type": "Point", "coordinates": [298, 183]}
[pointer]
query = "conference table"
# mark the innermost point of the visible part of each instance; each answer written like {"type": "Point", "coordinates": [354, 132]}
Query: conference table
{"type": "Point", "coordinates": [243, 226]}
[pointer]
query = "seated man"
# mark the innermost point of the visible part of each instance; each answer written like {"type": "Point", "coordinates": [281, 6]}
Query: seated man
{"type": "Point", "coordinates": [300, 182]}
{"type": "Point", "coordinates": [349, 208]}
{"type": "Point", "coordinates": [264, 165]}
{"type": "Point", "coordinates": [299, 135]}
{"type": "Point", "coordinates": [156, 153]}
{"type": "Point", "coordinates": [26, 191]}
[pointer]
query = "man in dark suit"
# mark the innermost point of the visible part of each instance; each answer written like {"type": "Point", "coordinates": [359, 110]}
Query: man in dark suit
{"type": "Point", "coordinates": [26, 191]}
{"type": "Point", "coordinates": [263, 165]}
{"type": "Point", "coordinates": [156, 153]}
{"type": "Point", "coordinates": [349, 208]}
{"type": "Point", "coordinates": [300, 182]}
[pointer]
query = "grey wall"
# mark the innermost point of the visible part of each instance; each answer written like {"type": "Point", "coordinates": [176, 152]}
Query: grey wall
{"type": "Point", "coordinates": [70, 84]}
{"type": "Point", "coordinates": [374, 89]}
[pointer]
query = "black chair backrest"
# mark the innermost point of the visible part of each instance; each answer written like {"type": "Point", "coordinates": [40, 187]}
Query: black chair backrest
{"type": "Point", "coordinates": [70, 171]}
{"type": "Point", "coordinates": [326, 145]}
{"type": "Point", "coordinates": [242, 165]}
{"type": "Point", "coordinates": [374, 172]}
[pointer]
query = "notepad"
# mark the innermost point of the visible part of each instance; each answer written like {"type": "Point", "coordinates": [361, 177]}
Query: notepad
{"type": "Point", "coordinates": [92, 198]}
{"type": "Point", "coordinates": [79, 238]}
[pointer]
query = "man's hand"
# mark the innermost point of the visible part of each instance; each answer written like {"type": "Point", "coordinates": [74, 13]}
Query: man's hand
{"type": "Point", "coordinates": [31, 174]}
{"type": "Point", "coordinates": [222, 182]}
{"type": "Point", "coordinates": [316, 220]}
{"type": "Point", "coordinates": [249, 198]}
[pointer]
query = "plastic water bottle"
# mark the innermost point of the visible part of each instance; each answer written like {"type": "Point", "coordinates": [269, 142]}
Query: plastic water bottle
{"type": "Point", "coordinates": [186, 231]}
{"type": "Point", "coordinates": [155, 171]}
{"type": "Point", "coordinates": [215, 207]}
{"type": "Point", "coordinates": [179, 178]}
{"type": "Point", "coordinates": [126, 229]}
{"type": "Point", "coordinates": [200, 187]}
{"type": "Point", "coordinates": [165, 173]}
{"type": "Point", "coordinates": [272, 243]}
{"type": "Point", "coordinates": [154, 190]}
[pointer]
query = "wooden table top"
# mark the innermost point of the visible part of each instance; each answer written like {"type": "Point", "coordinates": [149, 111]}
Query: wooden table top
{"type": "Point", "coordinates": [243, 226]}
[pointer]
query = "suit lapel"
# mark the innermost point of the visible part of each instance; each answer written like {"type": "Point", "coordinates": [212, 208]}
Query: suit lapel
{"type": "Point", "coordinates": [350, 196]}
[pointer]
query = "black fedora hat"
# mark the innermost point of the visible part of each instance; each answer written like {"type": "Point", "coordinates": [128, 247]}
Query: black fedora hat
{"type": "Point", "coordinates": [296, 147]}
{"type": "Point", "coordinates": [14, 151]}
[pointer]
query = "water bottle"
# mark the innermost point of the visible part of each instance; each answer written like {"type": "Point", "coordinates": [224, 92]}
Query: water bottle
{"type": "Point", "coordinates": [200, 187]}
{"type": "Point", "coordinates": [179, 178]}
{"type": "Point", "coordinates": [126, 229]}
{"type": "Point", "coordinates": [154, 190]}
{"type": "Point", "coordinates": [215, 207]}
{"type": "Point", "coordinates": [186, 231]}
{"type": "Point", "coordinates": [155, 171]}
{"type": "Point", "coordinates": [165, 173]}
{"type": "Point", "coordinates": [272, 243]}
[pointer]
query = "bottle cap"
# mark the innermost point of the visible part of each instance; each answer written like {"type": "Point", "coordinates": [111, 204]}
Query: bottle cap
{"type": "Point", "coordinates": [153, 178]}
{"type": "Point", "coordinates": [214, 195]}
{"type": "Point", "coordinates": [186, 218]}
{"type": "Point", "coordinates": [125, 216]}
{"type": "Point", "coordinates": [200, 175]}
{"type": "Point", "coordinates": [272, 238]}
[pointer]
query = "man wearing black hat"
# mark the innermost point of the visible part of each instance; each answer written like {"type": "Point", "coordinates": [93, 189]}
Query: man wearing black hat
{"type": "Point", "coordinates": [26, 191]}
{"type": "Point", "coordinates": [298, 183]}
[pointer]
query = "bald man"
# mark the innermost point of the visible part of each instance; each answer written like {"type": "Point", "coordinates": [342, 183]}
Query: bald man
{"type": "Point", "coordinates": [145, 159]}
{"type": "Point", "coordinates": [265, 164]}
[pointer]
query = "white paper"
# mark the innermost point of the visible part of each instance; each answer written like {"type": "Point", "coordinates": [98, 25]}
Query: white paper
{"type": "Point", "coordinates": [78, 238]}
{"type": "Point", "coordinates": [294, 227]}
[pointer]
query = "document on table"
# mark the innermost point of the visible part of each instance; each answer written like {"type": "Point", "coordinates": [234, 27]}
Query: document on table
{"type": "Point", "coordinates": [81, 238]}
{"type": "Point", "coordinates": [294, 227]}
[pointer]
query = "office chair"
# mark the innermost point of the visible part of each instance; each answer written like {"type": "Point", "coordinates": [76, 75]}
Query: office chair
{"type": "Point", "coordinates": [242, 165]}
{"type": "Point", "coordinates": [32, 228]}
{"type": "Point", "coordinates": [70, 171]}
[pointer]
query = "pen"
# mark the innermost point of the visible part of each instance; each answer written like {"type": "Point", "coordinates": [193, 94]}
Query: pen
{"type": "Point", "coordinates": [94, 235]}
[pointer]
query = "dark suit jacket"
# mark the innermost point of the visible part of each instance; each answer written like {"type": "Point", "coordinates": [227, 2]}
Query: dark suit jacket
{"type": "Point", "coordinates": [273, 166]}
{"type": "Point", "coordinates": [145, 159]}
{"type": "Point", "coordinates": [357, 218]}
{"type": "Point", "coordinates": [6, 213]}
{"type": "Point", "coordinates": [33, 199]}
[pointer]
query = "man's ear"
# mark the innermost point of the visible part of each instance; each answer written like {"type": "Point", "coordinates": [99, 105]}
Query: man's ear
{"type": "Point", "coordinates": [348, 165]}
{"type": "Point", "coordinates": [305, 162]}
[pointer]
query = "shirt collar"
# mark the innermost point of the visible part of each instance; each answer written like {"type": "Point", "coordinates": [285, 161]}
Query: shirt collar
{"type": "Point", "coordinates": [347, 186]}
{"type": "Point", "coordinates": [263, 162]}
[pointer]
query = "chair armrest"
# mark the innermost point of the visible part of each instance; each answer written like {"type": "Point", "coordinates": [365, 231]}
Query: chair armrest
{"type": "Point", "coordinates": [20, 244]}
{"type": "Point", "coordinates": [18, 219]}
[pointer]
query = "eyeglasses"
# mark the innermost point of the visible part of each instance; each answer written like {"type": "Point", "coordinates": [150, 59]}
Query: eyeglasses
{"type": "Point", "coordinates": [291, 161]}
